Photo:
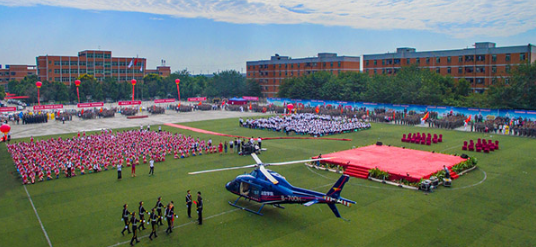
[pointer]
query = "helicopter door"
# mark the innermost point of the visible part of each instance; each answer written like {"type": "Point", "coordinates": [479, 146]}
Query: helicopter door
{"type": "Point", "coordinates": [245, 189]}
{"type": "Point", "coordinates": [249, 190]}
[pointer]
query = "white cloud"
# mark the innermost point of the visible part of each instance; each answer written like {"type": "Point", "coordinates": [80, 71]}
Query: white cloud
{"type": "Point", "coordinates": [459, 18]}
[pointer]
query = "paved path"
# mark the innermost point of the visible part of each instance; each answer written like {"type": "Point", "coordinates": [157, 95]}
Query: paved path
{"type": "Point", "coordinates": [119, 121]}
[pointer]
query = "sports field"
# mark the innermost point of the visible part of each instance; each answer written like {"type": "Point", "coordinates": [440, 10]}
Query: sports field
{"type": "Point", "coordinates": [491, 206]}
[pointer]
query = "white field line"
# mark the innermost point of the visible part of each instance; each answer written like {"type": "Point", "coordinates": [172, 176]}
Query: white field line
{"type": "Point", "coordinates": [39, 219]}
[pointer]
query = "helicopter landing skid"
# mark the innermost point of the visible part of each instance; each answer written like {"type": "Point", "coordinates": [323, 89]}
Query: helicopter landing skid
{"type": "Point", "coordinates": [249, 210]}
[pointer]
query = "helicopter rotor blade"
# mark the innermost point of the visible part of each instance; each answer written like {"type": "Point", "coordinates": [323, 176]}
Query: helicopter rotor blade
{"type": "Point", "coordinates": [256, 158]}
{"type": "Point", "coordinates": [268, 175]}
{"type": "Point", "coordinates": [223, 169]}
{"type": "Point", "coordinates": [294, 162]}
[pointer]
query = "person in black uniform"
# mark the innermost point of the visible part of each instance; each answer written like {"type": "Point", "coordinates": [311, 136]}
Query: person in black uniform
{"type": "Point", "coordinates": [169, 217]}
{"type": "Point", "coordinates": [153, 224]}
{"type": "Point", "coordinates": [158, 207]}
{"type": "Point", "coordinates": [189, 203]}
{"type": "Point", "coordinates": [125, 215]}
{"type": "Point", "coordinates": [142, 215]}
{"type": "Point", "coordinates": [199, 208]}
{"type": "Point", "coordinates": [134, 223]}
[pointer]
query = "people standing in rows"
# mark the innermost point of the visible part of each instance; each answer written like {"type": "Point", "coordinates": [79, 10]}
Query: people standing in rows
{"type": "Point", "coordinates": [134, 221]}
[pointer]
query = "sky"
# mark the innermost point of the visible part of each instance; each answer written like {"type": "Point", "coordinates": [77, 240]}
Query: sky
{"type": "Point", "coordinates": [214, 35]}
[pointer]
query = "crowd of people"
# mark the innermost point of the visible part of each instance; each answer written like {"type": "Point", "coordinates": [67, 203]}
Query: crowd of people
{"type": "Point", "coordinates": [158, 213]}
{"type": "Point", "coordinates": [307, 124]}
{"type": "Point", "coordinates": [48, 159]}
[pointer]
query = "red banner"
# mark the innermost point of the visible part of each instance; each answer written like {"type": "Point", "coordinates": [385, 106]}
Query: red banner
{"type": "Point", "coordinates": [47, 107]}
{"type": "Point", "coordinates": [197, 99]}
{"type": "Point", "coordinates": [6, 109]}
{"type": "Point", "coordinates": [134, 102]}
{"type": "Point", "coordinates": [156, 101]}
{"type": "Point", "coordinates": [251, 98]}
{"type": "Point", "coordinates": [85, 105]}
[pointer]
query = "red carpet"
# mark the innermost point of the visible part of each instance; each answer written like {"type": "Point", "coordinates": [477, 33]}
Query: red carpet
{"type": "Point", "coordinates": [409, 164]}
{"type": "Point", "coordinates": [263, 138]}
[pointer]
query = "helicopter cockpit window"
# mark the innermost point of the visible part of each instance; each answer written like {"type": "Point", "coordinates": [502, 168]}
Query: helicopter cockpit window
{"type": "Point", "coordinates": [253, 173]}
{"type": "Point", "coordinates": [244, 189]}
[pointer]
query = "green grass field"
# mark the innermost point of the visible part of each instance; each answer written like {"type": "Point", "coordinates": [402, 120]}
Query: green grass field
{"type": "Point", "coordinates": [491, 206]}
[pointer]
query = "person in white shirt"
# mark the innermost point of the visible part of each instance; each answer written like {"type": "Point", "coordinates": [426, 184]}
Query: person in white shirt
{"type": "Point", "coordinates": [118, 171]}
{"type": "Point", "coordinates": [151, 167]}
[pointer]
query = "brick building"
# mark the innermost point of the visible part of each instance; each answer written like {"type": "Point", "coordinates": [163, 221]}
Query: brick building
{"type": "Point", "coordinates": [480, 66]}
{"type": "Point", "coordinates": [99, 64]}
{"type": "Point", "coordinates": [270, 73]}
{"type": "Point", "coordinates": [15, 72]}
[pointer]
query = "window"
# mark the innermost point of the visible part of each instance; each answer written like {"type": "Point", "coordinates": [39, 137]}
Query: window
{"type": "Point", "coordinates": [469, 58]}
{"type": "Point", "coordinates": [481, 69]}
{"type": "Point", "coordinates": [507, 68]}
{"type": "Point", "coordinates": [292, 65]}
{"type": "Point", "coordinates": [480, 58]}
{"type": "Point", "coordinates": [506, 81]}
{"type": "Point", "coordinates": [460, 59]}
{"type": "Point", "coordinates": [56, 63]}
{"type": "Point", "coordinates": [396, 61]}
{"type": "Point", "coordinates": [82, 63]}
{"type": "Point", "coordinates": [449, 59]}
{"type": "Point", "coordinates": [418, 60]}
{"type": "Point", "coordinates": [339, 64]}
{"type": "Point", "coordinates": [375, 62]}
{"type": "Point", "coordinates": [90, 55]}
{"type": "Point", "coordinates": [407, 61]}
{"type": "Point", "coordinates": [479, 80]}
{"type": "Point", "coordinates": [494, 58]}
{"type": "Point", "coordinates": [437, 70]}
{"type": "Point", "coordinates": [298, 65]}
{"type": "Point", "coordinates": [448, 70]}
{"type": "Point", "coordinates": [427, 60]}
{"type": "Point", "coordinates": [375, 72]}
{"type": "Point", "coordinates": [460, 70]}
{"type": "Point", "coordinates": [507, 58]}
{"type": "Point", "coordinates": [438, 60]}
{"type": "Point", "coordinates": [367, 62]}
{"type": "Point", "coordinates": [522, 57]}
{"type": "Point", "coordinates": [494, 69]}
{"type": "Point", "coordinates": [469, 69]}
{"type": "Point", "coordinates": [98, 63]}
{"type": "Point", "coordinates": [56, 71]}
{"type": "Point", "coordinates": [107, 55]}
{"type": "Point", "coordinates": [383, 61]}
{"type": "Point", "coordinates": [74, 62]}
{"type": "Point", "coordinates": [383, 71]}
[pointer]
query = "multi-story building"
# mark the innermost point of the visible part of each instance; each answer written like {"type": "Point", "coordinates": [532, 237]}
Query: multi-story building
{"type": "Point", "coordinates": [270, 73]}
{"type": "Point", "coordinates": [15, 72]}
{"type": "Point", "coordinates": [163, 71]}
{"type": "Point", "coordinates": [481, 66]}
{"type": "Point", "coordinates": [99, 64]}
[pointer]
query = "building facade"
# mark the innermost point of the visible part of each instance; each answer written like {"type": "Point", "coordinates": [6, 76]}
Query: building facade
{"type": "Point", "coordinates": [481, 66]}
{"type": "Point", "coordinates": [163, 71]}
{"type": "Point", "coordinates": [99, 64]}
{"type": "Point", "coordinates": [15, 72]}
{"type": "Point", "coordinates": [270, 73]}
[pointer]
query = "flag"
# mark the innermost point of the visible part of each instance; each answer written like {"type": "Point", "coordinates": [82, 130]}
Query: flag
{"type": "Point", "coordinates": [136, 60]}
{"type": "Point", "coordinates": [250, 106]}
{"type": "Point", "coordinates": [200, 103]}
{"type": "Point", "coordinates": [425, 116]}
{"type": "Point", "coordinates": [131, 63]}
{"type": "Point", "coordinates": [141, 67]}
{"type": "Point", "coordinates": [317, 109]}
{"type": "Point", "coordinates": [468, 119]}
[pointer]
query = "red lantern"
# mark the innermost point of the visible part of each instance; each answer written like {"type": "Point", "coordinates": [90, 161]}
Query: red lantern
{"type": "Point", "coordinates": [77, 83]}
{"type": "Point", "coordinates": [177, 81]}
{"type": "Point", "coordinates": [38, 84]}
{"type": "Point", "coordinates": [5, 128]}
{"type": "Point", "coordinates": [290, 106]}
{"type": "Point", "coordinates": [133, 82]}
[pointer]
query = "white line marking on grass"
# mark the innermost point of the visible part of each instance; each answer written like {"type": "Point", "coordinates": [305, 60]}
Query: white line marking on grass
{"type": "Point", "coordinates": [39, 219]}
{"type": "Point", "coordinates": [179, 226]}
{"type": "Point", "coordinates": [473, 185]}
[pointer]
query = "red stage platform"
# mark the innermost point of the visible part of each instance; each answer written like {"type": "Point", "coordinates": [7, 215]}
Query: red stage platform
{"type": "Point", "coordinates": [408, 164]}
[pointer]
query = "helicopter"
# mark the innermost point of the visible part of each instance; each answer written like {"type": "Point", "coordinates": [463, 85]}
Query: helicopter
{"type": "Point", "coordinates": [270, 188]}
